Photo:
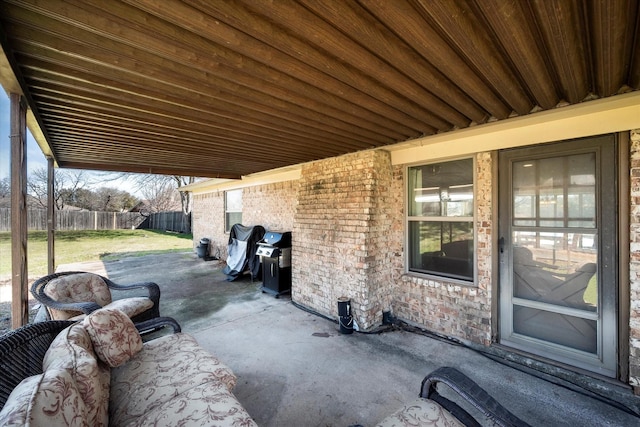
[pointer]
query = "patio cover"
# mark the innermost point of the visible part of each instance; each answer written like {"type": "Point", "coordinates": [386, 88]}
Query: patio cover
{"type": "Point", "coordinates": [228, 88]}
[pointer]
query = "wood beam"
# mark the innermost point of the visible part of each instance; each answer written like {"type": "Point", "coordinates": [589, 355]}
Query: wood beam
{"type": "Point", "coordinates": [513, 28]}
{"type": "Point", "coordinates": [459, 24]}
{"type": "Point", "coordinates": [611, 23]}
{"type": "Point", "coordinates": [196, 104]}
{"type": "Point", "coordinates": [252, 55]}
{"type": "Point", "coordinates": [51, 217]}
{"type": "Point", "coordinates": [407, 23]}
{"type": "Point", "coordinates": [19, 271]}
{"type": "Point", "coordinates": [155, 64]}
{"type": "Point", "coordinates": [567, 44]}
{"type": "Point", "coordinates": [348, 60]}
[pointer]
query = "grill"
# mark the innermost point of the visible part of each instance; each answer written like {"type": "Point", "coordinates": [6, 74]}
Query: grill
{"type": "Point", "coordinates": [275, 255]}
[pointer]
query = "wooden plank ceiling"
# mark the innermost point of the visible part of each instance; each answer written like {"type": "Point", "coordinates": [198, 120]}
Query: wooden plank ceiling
{"type": "Point", "coordinates": [226, 88]}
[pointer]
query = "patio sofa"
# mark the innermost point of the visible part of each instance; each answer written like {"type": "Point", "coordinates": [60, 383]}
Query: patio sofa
{"type": "Point", "coordinates": [98, 372]}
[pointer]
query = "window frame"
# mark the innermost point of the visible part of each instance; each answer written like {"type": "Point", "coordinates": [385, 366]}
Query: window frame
{"type": "Point", "coordinates": [227, 226]}
{"type": "Point", "coordinates": [439, 220]}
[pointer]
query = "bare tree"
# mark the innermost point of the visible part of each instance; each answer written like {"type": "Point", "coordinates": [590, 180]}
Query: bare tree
{"type": "Point", "coordinates": [5, 192]}
{"type": "Point", "coordinates": [112, 200]}
{"type": "Point", "coordinates": [5, 186]}
{"type": "Point", "coordinates": [185, 196]}
{"type": "Point", "coordinates": [160, 194]}
{"type": "Point", "coordinates": [64, 183]}
{"type": "Point", "coordinates": [154, 188]}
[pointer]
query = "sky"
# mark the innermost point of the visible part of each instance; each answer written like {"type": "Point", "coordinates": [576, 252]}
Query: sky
{"type": "Point", "coordinates": [35, 158]}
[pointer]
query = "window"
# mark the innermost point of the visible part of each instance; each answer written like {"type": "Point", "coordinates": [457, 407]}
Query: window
{"type": "Point", "coordinates": [440, 219]}
{"type": "Point", "coordinates": [232, 209]}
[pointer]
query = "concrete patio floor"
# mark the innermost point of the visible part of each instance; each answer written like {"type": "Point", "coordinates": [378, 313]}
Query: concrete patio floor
{"type": "Point", "coordinates": [294, 368]}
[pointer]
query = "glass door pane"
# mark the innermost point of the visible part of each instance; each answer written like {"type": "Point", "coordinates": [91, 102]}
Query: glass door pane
{"type": "Point", "coordinates": [556, 268]}
{"type": "Point", "coordinates": [555, 288]}
{"type": "Point", "coordinates": [552, 270]}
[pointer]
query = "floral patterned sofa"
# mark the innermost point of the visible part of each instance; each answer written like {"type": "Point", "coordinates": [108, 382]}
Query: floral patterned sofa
{"type": "Point", "coordinates": [98, 372]}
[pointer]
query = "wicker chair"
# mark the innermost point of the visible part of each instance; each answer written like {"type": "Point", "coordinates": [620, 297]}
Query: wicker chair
{"type": "Point", "coordinates": [429, 408]}
{"type": "Point", "coordinates": [73, 294]}
{"type": "Point", "coordinates": [22, 351]}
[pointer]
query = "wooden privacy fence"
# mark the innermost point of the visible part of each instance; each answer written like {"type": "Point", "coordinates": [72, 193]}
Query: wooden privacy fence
{"type": "Point", "coordinates": [169, 221]}
{"type": "Point", "coordinates": [92, 220]}
{"type": "Point", "coordinates": [75, 220]}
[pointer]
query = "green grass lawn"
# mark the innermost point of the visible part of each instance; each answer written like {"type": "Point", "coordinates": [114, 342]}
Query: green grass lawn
{"type": "Point", "coordinates": [90, 245]}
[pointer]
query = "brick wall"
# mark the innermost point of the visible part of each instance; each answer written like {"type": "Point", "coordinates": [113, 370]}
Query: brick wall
{"type": "Point", "coordinates": [348, 241]}
{"type": "Point", "coordinates": [207, 220]}
{"type": "Point", "coordinates": [270, 205]}
{"type": "Point", "coordinates": [451, 308]}
{"type": "Point", "coordinates": [384, 240]}
{"type": "Point", "coordinates": [340, 235]}
{"type": "Point", "coordinates": [634, 263]}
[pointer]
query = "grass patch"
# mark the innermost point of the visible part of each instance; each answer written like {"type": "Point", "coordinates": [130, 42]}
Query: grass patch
{"type": "Point", "coordinates": [91, 245]}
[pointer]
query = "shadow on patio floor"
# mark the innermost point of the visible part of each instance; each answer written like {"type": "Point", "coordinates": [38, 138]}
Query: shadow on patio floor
{"type": "Point", "coordinates": [294, 368]}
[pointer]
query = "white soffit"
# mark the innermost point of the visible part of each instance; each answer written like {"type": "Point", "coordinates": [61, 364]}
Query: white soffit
{"type": "Point", "coordinates": [289, 173]}
{"type": "Point", "coordinates": [613, 114]}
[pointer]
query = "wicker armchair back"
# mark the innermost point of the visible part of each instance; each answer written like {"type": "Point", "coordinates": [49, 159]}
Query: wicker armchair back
{"type": "Point", "coordinates": [22, 352]}
{"type": "Point", "coordinates": [150, 289]}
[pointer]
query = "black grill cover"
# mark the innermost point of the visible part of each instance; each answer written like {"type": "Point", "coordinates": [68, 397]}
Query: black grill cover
{"type": "Point", "coordinates": [240, 236]}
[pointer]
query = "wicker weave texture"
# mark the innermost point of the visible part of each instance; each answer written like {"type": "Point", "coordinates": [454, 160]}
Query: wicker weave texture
{"type": "Point", "coordinates": [22, 352]}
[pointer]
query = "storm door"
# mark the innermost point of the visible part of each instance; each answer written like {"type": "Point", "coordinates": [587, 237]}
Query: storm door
{"type": "Point", "coordinates": [558, 263]}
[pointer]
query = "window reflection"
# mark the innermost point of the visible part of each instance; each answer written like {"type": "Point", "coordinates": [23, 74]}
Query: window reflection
{"type": "Point", "coordinates": [556, 268]}
{"type": "Point", "coordinates": [440, 229]}
{"type": "Point", "coordinates": [555, 192]}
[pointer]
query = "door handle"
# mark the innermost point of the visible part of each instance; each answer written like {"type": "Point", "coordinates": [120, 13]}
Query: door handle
{"type": "Point", "coordinates": [501, 245]}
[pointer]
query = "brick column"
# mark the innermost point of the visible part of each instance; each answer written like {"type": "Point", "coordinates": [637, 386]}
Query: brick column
{"type": "Point", "coordinates": [342, 235]}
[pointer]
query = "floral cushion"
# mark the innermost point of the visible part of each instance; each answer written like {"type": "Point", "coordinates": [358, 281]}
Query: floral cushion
{"type": "Point", "coordinates": [421, 413]}
{"type": "Point", "coordinates": [72, 350]}
{"type": "Point", "coordinates": [131, 306]}
{"type": "Point", "coordinates": [81, 287]}
{"type": "Point", "coordinates": [50, 399]}
{"type": "Point", "coordinates": [163, 371]}
{"type": "Point", "coordinates": [114, 336]}
{"type": "Point", "coordinates": [204, 405]}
